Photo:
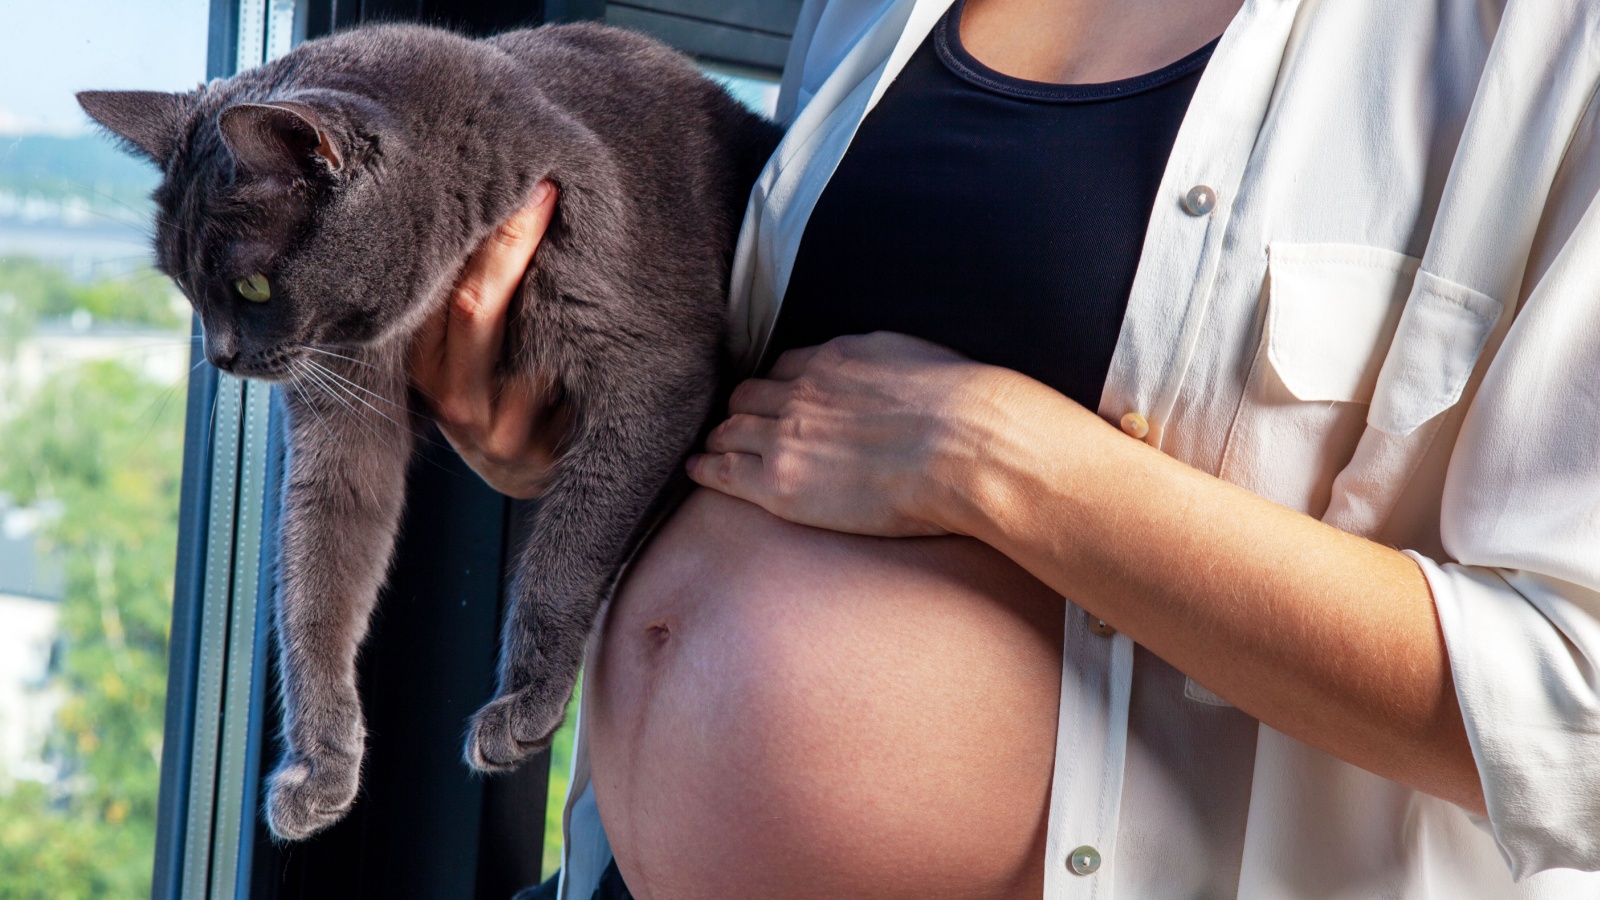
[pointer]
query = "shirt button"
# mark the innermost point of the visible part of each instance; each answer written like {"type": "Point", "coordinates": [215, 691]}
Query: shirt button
{"type": "Point", "coordinates": [1135, 425]}
{"type": "Point", "coordinates": [1099, 626]}
{"type": "Point", "coordinates": [1085, 860]}
{"type": "Point", "coordinates": [1200, 200]}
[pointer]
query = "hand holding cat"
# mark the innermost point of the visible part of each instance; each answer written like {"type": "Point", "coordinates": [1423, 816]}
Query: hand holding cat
{"type": "Point", "coordinates": [507, 431]}
{"type": "Point", "coordinates": [878, 434]}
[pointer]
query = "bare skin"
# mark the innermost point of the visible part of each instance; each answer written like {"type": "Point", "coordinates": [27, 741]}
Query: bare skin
{"type": "Point", "coordinates": [793, 711]}
{"type": "Point", "coordinates": [783, 711]}
{"type": "Point", "coordinates": [1088, 41]}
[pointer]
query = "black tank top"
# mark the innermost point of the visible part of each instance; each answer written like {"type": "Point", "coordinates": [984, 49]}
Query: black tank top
{"type": "Point", "coordinates": [999, 217]}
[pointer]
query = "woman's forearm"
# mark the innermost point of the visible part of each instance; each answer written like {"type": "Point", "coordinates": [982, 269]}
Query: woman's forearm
{"type": "Point", "coordinates": [1326, 637]}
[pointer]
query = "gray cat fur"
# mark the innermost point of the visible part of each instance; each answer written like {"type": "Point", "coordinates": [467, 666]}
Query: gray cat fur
{"type": "Point", "coordinates": [357, 173]}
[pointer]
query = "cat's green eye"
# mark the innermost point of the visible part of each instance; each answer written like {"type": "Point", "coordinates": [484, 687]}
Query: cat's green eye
{"type": "Point", "coordinates": [255, 288]}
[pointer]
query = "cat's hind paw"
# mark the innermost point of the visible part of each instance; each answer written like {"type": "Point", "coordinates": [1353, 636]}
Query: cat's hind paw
{"type": "Point", "coordinates": [511, 728]}
{"type": "Point", "coordinates": [304, 796]}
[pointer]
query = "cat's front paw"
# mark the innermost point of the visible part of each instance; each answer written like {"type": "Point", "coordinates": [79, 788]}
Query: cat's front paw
{"type": "Point", "coordinates": [306, 795]}
{"type": "Point", "coordinates": [513, 727]}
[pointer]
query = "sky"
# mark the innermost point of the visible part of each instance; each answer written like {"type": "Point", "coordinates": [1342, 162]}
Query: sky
{"type": "Point", "coordinates": [50, 50]}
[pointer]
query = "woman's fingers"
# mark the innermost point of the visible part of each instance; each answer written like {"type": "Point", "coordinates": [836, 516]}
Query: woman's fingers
{"type": "Point", "coordinates": [789, 366]}
{"type": "Point", "coordinates": [513, 414]}
{"type": "Point", "coordinates": [525, 427]}
{"type": "Point", "coordinates": [507, 430]}
{"type": "Point", "coordinates": [426, 348]}
{"type": "Point", "coordinates": [456, 356]}
{"type": "Point", "coordinates": [760, 396]}
{"type": "Point", "coordinates": [741, 433]}
{"type": "Point", "coordinates": [475, 327]}
{"type": "Point", "coordinates": [868, 434]}
{"type": "Point", "coordinates": [735, 474]}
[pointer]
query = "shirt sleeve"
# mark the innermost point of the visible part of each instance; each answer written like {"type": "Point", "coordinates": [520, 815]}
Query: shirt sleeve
{"type": "Point", "coordinates": [1520, 604]}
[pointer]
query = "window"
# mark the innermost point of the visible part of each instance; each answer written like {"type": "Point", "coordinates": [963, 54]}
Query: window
{"type": "Point", "coordinates": [94, 354]}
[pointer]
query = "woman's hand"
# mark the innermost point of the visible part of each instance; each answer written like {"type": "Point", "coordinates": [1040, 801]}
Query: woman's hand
{"type": "Point", "coordinates": [507, 430]}
{"type": "Point", "coordinates": [879, 434]}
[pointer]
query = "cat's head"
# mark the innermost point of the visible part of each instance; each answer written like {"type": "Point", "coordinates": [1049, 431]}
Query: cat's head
{"type": "Point", "coordinates": [277, 217]}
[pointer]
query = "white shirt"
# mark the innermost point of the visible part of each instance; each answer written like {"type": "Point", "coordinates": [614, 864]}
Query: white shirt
{"type": "Point", "coordinates": [1388, 318]}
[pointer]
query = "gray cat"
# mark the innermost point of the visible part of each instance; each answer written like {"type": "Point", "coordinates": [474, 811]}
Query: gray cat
{"type": "Point", "coordinates": [317, 210]}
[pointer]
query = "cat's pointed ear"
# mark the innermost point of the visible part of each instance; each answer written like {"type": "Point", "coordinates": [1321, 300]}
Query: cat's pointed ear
{"type": "Point", "coordinates": [151, 122]}
{"type": "Point", "coordinates": [280, 138]}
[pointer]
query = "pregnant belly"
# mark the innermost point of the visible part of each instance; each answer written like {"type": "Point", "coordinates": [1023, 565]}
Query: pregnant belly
{"type": "Point", "coordinates": [779, 711]}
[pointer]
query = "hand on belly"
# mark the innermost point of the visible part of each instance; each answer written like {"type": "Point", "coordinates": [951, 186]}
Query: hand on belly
{"type": "Point", "coordinates": [779, 711]}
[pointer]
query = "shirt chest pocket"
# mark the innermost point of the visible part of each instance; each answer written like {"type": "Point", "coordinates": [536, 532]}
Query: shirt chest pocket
{"type": "Point", "coordinates": [1353, 338]}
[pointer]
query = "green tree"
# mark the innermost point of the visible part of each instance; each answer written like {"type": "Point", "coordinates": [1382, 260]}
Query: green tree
{"type": "Point", "coordinates": [106, 445]}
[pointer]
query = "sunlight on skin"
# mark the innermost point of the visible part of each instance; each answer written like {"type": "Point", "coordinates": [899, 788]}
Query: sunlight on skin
{"type": "Point", "coordinates": [769, 695]}
{"type": "Point", "coordinates": [1085, 41]}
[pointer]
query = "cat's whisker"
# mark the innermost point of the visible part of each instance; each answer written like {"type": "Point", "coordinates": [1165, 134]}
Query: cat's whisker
{"type": "Point", "coordinates": [351, 359]}
{"type": "Point", "coordinates": [300, 381]}
{"type": "Point", "coordinates": [358, 387]}
{"type": "Point", "coordinates": [139, 223]}
{"type": "Point", "coordinates": [162, 219]}
{"type": "Point", "coordinates": [124, 204]}
{"type": "Point", "coordinates": [350, 385]}
{"type": "Point", "coordinates": [361, 420]}
{"type": "Point", "coordinates": [329, 390]}
{"type": "Point", "coordinates": [333, 390]}
{"type": "Point", "coordinates": [164, 398]}
{"type": "Point", "coordinates": [337, 379]}
{"type": "Point", "coordinates": [316, 385]}
{"type": "Point", "coordinates": [358, 355]}
{"type": "Point", "coordinates": [295, 387]}
{"type": "Point", "coordinates": [211, 426]}
{"type": "Point", "coordinates": [421, 434]}
{"type": "Point", "coordinates": [404, 409]}
{"type": "Point", "coordinates": [153, 346]}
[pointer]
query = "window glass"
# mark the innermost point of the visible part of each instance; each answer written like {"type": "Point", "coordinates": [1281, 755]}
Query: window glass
{"type": "Point", "coordinates": [94, 348]}
{"type": "Point", "coordinates": [756, 90]}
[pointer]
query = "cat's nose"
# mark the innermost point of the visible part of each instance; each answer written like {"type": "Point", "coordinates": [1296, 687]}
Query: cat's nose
{"type": "Point", "coordinates": [222, 353]}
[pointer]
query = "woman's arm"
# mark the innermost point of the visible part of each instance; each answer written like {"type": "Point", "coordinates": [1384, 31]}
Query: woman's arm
{"type": "Point", "coordinates": [1324, 636]}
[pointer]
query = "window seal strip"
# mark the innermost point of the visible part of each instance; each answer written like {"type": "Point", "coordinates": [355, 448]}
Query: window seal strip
{"type": "Point", "coordinates": [235, 817]}
{"type": "Point", "coordinates": [227, 416]}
